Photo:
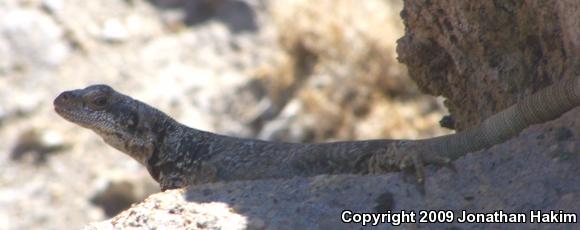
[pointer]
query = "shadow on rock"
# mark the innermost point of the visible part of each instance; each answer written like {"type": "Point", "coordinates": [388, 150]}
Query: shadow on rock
{"type": "Point", "coordinates": [299, 202]}
{"type": "Point", "coordinates": [237, 15]}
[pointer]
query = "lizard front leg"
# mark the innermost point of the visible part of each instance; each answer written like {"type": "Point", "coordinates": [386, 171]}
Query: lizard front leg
{"type": "Point", "coordinates": [407, 155]}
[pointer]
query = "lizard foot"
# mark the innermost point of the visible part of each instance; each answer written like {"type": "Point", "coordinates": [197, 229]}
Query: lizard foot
{"type": "Point", "coordinates": [405, 156]}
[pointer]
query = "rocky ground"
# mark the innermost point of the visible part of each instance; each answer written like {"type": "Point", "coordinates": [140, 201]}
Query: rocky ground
{"type": "Point", "coordinates": [300, 71]}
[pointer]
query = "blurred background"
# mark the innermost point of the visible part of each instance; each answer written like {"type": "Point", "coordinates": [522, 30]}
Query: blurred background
{"type": "Point", "coordinates": [283, 70]}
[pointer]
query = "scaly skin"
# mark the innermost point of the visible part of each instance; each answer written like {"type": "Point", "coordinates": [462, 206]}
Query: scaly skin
{"type": "Point", "coordinates": [177, 156]}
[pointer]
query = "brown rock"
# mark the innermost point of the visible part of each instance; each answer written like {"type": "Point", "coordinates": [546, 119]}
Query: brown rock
{"type": "Point", "coordinates": [485, 55]}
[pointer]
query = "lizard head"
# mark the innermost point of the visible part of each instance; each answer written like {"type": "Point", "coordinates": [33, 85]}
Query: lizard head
{"type": "Point", "coordinates": [123, 122]}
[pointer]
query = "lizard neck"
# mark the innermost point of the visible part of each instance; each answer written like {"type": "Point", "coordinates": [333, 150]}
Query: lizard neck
{"type": "Point", "coordinates": [178, 149]}
{"type": "Point", "coordinates": [143, 133]}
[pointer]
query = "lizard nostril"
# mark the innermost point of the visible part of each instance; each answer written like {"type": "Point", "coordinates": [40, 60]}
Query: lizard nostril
{"type": "Point", "coordinates": [68, 96]}
{"type": "Point", "coordinates": [64, 97]}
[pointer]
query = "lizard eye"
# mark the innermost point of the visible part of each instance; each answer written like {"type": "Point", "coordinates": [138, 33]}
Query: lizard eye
{"type": "Point", "coordinates": [99, 102]}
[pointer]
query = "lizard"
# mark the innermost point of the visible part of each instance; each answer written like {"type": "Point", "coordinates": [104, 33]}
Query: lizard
{"type": "Point", "coordinates": [177, 156]}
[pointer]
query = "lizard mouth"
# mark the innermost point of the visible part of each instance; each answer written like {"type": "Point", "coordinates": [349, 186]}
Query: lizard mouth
{"type": "Point", "coordinates": [65, 105]}
{"type": "Point", "coordinates": [79, 118]}
{"type": "Point", "coordinates": [71, 110]}
{"type": "Point", "coordinates": [60, 104]}
{"type": "Point", "coordinates": [69, 115]}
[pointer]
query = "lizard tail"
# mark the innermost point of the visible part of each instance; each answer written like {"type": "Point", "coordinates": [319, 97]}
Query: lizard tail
{"type": "Point", "coordinates": [356, 157]}
{"type": "Point", "coordinates": [544, 105]}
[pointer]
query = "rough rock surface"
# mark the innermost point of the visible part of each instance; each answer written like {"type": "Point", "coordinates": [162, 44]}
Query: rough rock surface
{"type": "Point", "coordinates": [538, 170]}
{"type": "Point", "coordinates": [482, 56]}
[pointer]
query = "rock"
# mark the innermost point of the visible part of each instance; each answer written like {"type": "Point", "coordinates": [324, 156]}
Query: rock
{"type": "Point", "coordinates": [339, 64]}
{"type": "Point", "coordinates": [53, 6]}
{"type": "Point", "coordinates": [115, 197]}
{"type": "Point", "coordinates": [170, 211]}
{"type": "Point", "coordinates": [30, 40]}
{"type": "Point", "coordinates": [114, 31]}
{"type": "Point", "coordinates": [117, 192]}
{"type": "Point", "coordinates": [38, 145]}
{"type": "Point", "coordinates": [237, 15]}
{"type": "Point", "coordinates": [483, 56]}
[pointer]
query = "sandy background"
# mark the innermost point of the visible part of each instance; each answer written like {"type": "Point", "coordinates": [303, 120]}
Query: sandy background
{"type": "Point", "coordinates": [301, 71]}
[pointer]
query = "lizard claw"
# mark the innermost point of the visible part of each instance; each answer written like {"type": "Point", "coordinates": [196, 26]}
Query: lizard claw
{"type": "Point", "coordinates": [408, 155]}
{"type": "Point", "coordinates": [438, 160]}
